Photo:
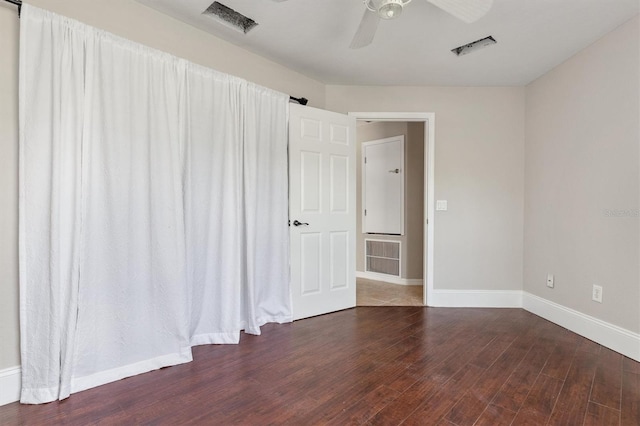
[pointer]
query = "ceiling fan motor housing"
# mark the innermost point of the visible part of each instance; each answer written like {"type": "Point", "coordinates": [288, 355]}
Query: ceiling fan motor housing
{"type": "Point", "coordinates": [386, 9]}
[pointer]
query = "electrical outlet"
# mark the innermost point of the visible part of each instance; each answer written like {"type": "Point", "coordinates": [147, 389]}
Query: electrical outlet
{"type": "Point", "coordinates": [596, 294]}
{"type": "Point", "coordinates": [550, 280]}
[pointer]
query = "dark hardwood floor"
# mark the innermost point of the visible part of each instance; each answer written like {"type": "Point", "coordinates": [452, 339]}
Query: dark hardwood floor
{"type": "Point", "coordinates": [377, 366]}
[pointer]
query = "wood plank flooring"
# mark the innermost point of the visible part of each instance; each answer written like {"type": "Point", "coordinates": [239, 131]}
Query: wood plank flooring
{"type": "Point", "coordinates": [375, 366]}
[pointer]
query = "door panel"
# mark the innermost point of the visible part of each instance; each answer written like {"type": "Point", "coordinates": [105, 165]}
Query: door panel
{"type": "Point", "coordinates": [311, 262]}
{"type": "Point", "coordinates": [310, 181]}
{"type": "Point", "coordinates": [322, 204]}
{"type": "Point", "coordinates": [339, 260]}
{"type": "Point", "coordinates": [339, 184]}
{"type": "Point", "coordinates": [339, 134]}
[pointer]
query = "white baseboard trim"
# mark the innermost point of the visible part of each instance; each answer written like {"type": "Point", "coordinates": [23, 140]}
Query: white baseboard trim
{"type": "Point", "coordinates": [613, 337]}
{"type": "Point", "coordinates": [475, 298]}
{"type": "Point", "coordinates": [389, 278]}
{"type": "Point", "coordinates": [10, 382]}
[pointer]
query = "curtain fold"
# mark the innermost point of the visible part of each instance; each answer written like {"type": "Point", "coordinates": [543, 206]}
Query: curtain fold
{"type": "Point", "coordinates": [49, 203]}
{"type": "Point", "coordinates": [132, 299]}
{"type": "Point", "coordinates": [153, 207]}
{"type": "Point", "coordinates": [266, 202]}
{"type": "Point", "coordinates": [236, 203]}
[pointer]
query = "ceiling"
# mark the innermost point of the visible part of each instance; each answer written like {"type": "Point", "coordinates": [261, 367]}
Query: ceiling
{"type": "Point", "coordinates": [313, 37]}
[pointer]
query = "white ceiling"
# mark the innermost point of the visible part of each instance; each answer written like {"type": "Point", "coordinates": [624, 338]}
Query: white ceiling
{"type": "Point", "coordinates": [312, 37]}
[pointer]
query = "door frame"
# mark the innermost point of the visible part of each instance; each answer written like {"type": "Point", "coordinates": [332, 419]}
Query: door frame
{"type": "Point", "coordinates": [428, 118]}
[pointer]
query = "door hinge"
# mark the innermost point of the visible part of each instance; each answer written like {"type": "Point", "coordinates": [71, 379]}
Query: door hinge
{"type": "Point", "coordinates": [365, 160]}
{"type": "Point", "coordinates": [365, 212]}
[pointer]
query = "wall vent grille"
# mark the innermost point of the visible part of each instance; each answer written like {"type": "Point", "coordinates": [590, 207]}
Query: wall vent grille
{"type": "Point", "coordinates": [382, 257]}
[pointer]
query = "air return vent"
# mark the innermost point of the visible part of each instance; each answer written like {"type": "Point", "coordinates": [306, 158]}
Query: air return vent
{"type": "Point", "coordinates": [382, 257]}
{"type": "Point", "coordinates": [230, 17]}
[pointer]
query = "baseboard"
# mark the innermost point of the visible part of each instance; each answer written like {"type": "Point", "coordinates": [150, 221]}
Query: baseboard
{"type": "Point", "coordinates": [475, 298]}
{"type": "Point", "coordinates": [388, 278]}
{"type": "Point", "coordinates": [10, 380]}
{"type": "Point", "coordinates": [613, 337]}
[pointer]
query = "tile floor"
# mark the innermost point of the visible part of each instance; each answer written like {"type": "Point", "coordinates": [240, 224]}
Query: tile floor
{"type": "Point", "coordinates": [378, 293]}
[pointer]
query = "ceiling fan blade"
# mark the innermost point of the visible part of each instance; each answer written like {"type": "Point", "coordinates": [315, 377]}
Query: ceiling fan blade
{"type": "Point", "coordinates": [366, 30]}
{"type": "Point", "coordinates": [466, 10]}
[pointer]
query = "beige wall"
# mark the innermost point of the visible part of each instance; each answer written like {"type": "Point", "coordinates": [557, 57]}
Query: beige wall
{"type": "Point", "coordinates": [582, 159]}
{"type": "Point", "coordinates": [479, 137]}
{"type": "Point", "coordinates": [412, 247]}
{"type": "Point", "coordinates": [9, 333]}
{"type": "Point", "coordinates": [136, 22]}
{"type": "Point", "coordinates": [414, 200]}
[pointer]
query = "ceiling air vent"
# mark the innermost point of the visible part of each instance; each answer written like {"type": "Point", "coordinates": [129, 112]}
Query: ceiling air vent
{"type": "Point", "coordinates": [473, 46]}
{"type": "Point", "coordinates": [230, 17]}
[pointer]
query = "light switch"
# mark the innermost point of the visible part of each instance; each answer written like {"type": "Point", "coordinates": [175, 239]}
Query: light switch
{"type": "Point", "coordinates": [441, 205]}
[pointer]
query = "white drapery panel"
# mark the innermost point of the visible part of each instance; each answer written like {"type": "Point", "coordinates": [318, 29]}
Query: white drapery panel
{"type": "Point", "coordinates": [153, 207]}
{"type": "Point", "coordinates": [225, 244]}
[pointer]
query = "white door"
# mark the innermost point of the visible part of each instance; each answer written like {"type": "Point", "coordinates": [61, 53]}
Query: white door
{"type": "Point", "coordinates": [383, 186]}
{"type": "Point", "coordinates": [322, 189]}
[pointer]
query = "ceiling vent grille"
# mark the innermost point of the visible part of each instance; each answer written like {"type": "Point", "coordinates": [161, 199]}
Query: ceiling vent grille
{"type": "Point", "coordinates": [473, 46]}
{"type": "Point", "coordinates": [230, 17]}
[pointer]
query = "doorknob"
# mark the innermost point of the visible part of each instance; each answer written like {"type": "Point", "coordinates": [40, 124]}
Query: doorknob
{"type": "Point", "coordinates": [298, 223]}
{"type": "Point", "coordinates": [394, 171]}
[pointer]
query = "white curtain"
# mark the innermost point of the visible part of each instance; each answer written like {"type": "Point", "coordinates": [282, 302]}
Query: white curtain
{"type": "Point", "coordinates": [235, 207]}
{"type": "Point", "coordinates": [153, 207]}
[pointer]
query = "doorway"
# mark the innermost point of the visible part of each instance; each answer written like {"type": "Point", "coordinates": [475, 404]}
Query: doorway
{"type": "Point", "coordinates": [399, 288]}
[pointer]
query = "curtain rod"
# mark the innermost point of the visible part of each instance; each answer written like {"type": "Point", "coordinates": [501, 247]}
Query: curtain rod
{"type": "Point", "coordinates": [17, 3]}
{"type": "Point", "coordinates": [301, 101]}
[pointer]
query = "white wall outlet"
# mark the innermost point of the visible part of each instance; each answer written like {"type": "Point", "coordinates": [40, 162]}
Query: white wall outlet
{"type": "Point", "coordinates": [441, 205]}
{"type": "Point", "coordinates": [596, 294]}
{"type": "Point", "coordinates": [550, 280]}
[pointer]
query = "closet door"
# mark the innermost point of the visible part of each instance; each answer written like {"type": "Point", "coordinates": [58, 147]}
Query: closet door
{"type": "Point", "coordinates": [383, 186]}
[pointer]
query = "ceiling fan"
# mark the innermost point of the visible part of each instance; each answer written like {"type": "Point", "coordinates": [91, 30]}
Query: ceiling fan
{"type": "Point", "coordinates": [466, 10]}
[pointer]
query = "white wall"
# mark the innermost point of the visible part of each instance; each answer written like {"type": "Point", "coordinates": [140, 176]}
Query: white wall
{"type": "Point", "coordinates": [582, 159]}
{"type": "Point", "coordinates": [136, 22]}
{"type": "Point", "coordinates": [479, 160]}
